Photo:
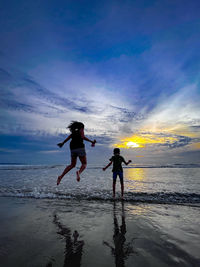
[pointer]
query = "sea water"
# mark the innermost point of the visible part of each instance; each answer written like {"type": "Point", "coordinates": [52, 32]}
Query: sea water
{"type": "Point", "coordinates": [79, 224]}
{"type": "Point", "coordinates": [154, 184]}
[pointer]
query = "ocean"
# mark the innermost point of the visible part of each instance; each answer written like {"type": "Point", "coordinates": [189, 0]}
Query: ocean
{"type": "Point", "coordinates": [79, 223]}
{"type": "Point", "coordinates": [146, 184]}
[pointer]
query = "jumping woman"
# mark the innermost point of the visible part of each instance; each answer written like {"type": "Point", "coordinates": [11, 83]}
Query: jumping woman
{"type": "Point", "coordinates": [77, 148]}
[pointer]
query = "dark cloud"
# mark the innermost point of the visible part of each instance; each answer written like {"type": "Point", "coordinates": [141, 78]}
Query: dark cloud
{"type": "Point", "coordinates": [4, 74]}
{"type": "Point", "coordinates": [52, 97]}
{"type": "Point", "coordinates": [195, 128]}
{"type": "Point", "coordinates": [182, 141]}
{"type": "Point", "coordinates": [14, 105]}
{"type": "Point", "coordinates": [29, 88]}
{"type": "Point", "coordinates": [124, 116]}
{"type": "Point", "coordinates": [190, 156]}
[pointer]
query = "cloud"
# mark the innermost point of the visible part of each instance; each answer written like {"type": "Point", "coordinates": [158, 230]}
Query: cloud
{"type": "Point", "coordinates": [181, 108]}
{"type": "Point", "coordinates": [105, 113]}
{"type": "Point", "coordinates": [49, 151]}
{"type": "Point", "coordinates": [181, 142]}
{"type": "Point", "coordinates": [16, 87]}
{"type": "Point", "coordinates": [53, 98]}
{"type": "Point", "coordinates": [4, 74]}
{"type": "Point", "coordinates": [11, 151]}
{"type": "Point", "coordinates": [173, 123]}
{"type": "Point", "coordinates": [38, 110]}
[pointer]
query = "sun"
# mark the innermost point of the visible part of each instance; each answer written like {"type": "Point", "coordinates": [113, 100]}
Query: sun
{"type": "Point", "coordinates": [132, 144]}
{"type": "Point", "coordinates": [143, 140]}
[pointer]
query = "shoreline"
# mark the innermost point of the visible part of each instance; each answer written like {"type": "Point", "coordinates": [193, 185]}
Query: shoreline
{"type": "Point", "coordinates": [46, 232]}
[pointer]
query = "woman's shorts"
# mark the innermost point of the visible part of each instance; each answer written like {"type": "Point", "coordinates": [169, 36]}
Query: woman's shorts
{"type": "Point", "coordinates": [120, 176]}
{"type": "Point", "coordinates": [78, 152]}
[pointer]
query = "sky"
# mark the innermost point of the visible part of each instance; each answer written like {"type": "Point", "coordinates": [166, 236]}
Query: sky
{"type": "Point", "coordinates": [129, 70]}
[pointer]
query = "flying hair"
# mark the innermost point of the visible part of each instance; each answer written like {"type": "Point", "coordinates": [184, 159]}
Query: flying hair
{"type": "Point", "coordinates": [75, 126]}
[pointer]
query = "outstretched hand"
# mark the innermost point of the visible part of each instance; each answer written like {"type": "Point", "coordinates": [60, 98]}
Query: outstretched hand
{"type": "Point", "coordinates": [60, 144]}
{"type": "Point", "coordinates": [129, 161]}
{"type": "Point", "coordinates": [93, 143]}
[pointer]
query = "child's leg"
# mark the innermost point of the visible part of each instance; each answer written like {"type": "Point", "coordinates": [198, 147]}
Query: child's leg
{"type": "Point", "coordinates": [67, 169]}
{"type": "Point", "coordinates": [122, 183]}
{"type": "Point", "coordinates": [114, 185]}
{"type": "Point", "coordinates": [114, 182]}
{"type": "Point", "coordinates": [122, 188]}
{"type": "Point", "coordinates": [83, 160]}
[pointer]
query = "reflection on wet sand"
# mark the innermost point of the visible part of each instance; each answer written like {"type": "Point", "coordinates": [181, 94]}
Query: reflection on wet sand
{"type": "Point", "coordinates": [73, 246]}
{"type": "Point", "coordinates": [137, 210]}
{"type": "Point", "coordinates": [121, 249]}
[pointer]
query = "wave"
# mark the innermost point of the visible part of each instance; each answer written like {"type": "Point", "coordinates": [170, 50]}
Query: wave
{"type": "Point", "coordinates": [27, 167]}
{"type": "Point", "coordinates": [36, 167]}
{"type": "Point", "coordinates": [191, 165]}
{"type": "Point", "coordinates": [155, 198]}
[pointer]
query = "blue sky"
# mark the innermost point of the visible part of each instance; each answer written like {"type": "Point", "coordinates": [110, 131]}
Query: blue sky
{"type": "Point", "coordinates": [129, 70]}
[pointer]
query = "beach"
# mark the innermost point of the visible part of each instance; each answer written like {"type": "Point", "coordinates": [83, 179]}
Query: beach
{"type": "Point", "coordinates": [100, 133]}
{"type": "Point", "coordinates": [79, 224]}
{"type": "Point", "coordinates": [37, 232]}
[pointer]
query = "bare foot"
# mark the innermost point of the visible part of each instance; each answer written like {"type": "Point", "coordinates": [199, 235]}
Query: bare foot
{"type": "Point", "coordinates": [78, 176]}
{"type": "Point", "coordinates": [113, 196]}
{"type": "Point", "coordinates": [59, 179]}
{"type": "Point", "coordinates": [122, 197]}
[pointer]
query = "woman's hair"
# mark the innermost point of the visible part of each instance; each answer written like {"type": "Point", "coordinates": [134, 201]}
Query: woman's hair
{"type": "Point", "coordinates": [116, 151]}
{"type": "Point", "coordinates": [75, 126]}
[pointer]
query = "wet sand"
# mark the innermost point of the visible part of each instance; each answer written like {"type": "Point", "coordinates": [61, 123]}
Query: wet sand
{"type": "Point", "coordinates": [41, 232]}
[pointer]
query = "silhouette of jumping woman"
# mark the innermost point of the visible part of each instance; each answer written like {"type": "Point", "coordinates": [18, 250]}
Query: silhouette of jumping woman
{"type": "Point", "coordinates": [77, 148]}
{"type": "Point", "coordinates": [73, 246]}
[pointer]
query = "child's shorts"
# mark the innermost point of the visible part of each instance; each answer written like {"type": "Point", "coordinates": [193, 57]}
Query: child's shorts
{"type": "Point", "coordinates": [78, 152]}
{"type": "Point", "coordinates": [120, 176]}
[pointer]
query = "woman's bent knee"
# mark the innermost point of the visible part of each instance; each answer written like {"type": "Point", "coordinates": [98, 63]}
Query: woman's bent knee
{"type": "Point", "coordinates": [73, 165]}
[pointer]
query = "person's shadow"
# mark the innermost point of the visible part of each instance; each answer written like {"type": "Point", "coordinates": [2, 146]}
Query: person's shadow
{"type": "Point", "coordinates": [121, 249]}
{"type": "Point", "coordinates": [73, 246]}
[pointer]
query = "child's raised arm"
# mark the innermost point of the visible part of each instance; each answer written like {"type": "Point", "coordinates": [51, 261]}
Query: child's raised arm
{"type": "Point", "coordinates": [61, 144]}
{"type": "Point", "coordinates": [128, 162]}
{"type": "Point", "coordinates": [107, 166]}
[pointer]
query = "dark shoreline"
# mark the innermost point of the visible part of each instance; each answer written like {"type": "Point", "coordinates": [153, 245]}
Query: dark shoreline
{"type": "Point", "coordinates": [90, 233]}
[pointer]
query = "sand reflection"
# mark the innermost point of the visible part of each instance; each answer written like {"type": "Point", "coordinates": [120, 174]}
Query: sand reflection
{"type": "Point", "coordinates": [121, 249]}
{"type": "Point", "coordinates": [73, 246]}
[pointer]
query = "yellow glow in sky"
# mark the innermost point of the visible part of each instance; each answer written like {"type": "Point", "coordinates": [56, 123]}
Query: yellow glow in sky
{"type": "Point", "coordinates": [132, 144]}
{"type": "Point", "coordinates": [160, 133]}
{"type": "Point", "coordinates": [195, 146]}
{"type": "Point", "coordinates": [142, 140]}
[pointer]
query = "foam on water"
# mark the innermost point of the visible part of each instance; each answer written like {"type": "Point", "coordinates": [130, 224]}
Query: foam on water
{"type": "Point", "coordinates": [159, 197]}
{"type": "Point", "coordinates": [170, 185]}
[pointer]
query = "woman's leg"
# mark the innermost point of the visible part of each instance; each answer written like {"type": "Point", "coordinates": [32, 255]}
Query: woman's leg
{"type": "Point", "coordinates": [83, 160]}
{"type": "Point", "coordinates": [67, 169]}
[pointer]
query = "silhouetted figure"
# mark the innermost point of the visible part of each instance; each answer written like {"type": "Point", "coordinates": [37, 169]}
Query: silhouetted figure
{"type": "Point", "coordinates": [73, 246]}
{"type": "Point", "coordinates": [117, 169]}
{"type": "Point", "coordinates": [121, 249]}
{"type": "Point", "coordinates": [77, 148]}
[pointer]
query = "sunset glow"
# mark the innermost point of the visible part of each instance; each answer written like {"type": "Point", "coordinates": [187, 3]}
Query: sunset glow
{"type": "Point", "coordinates": [132, 144]}
{"type": "Point", "coordinates": [123, 68]}
{"type": "Point", "coordinates": [144, 140]}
